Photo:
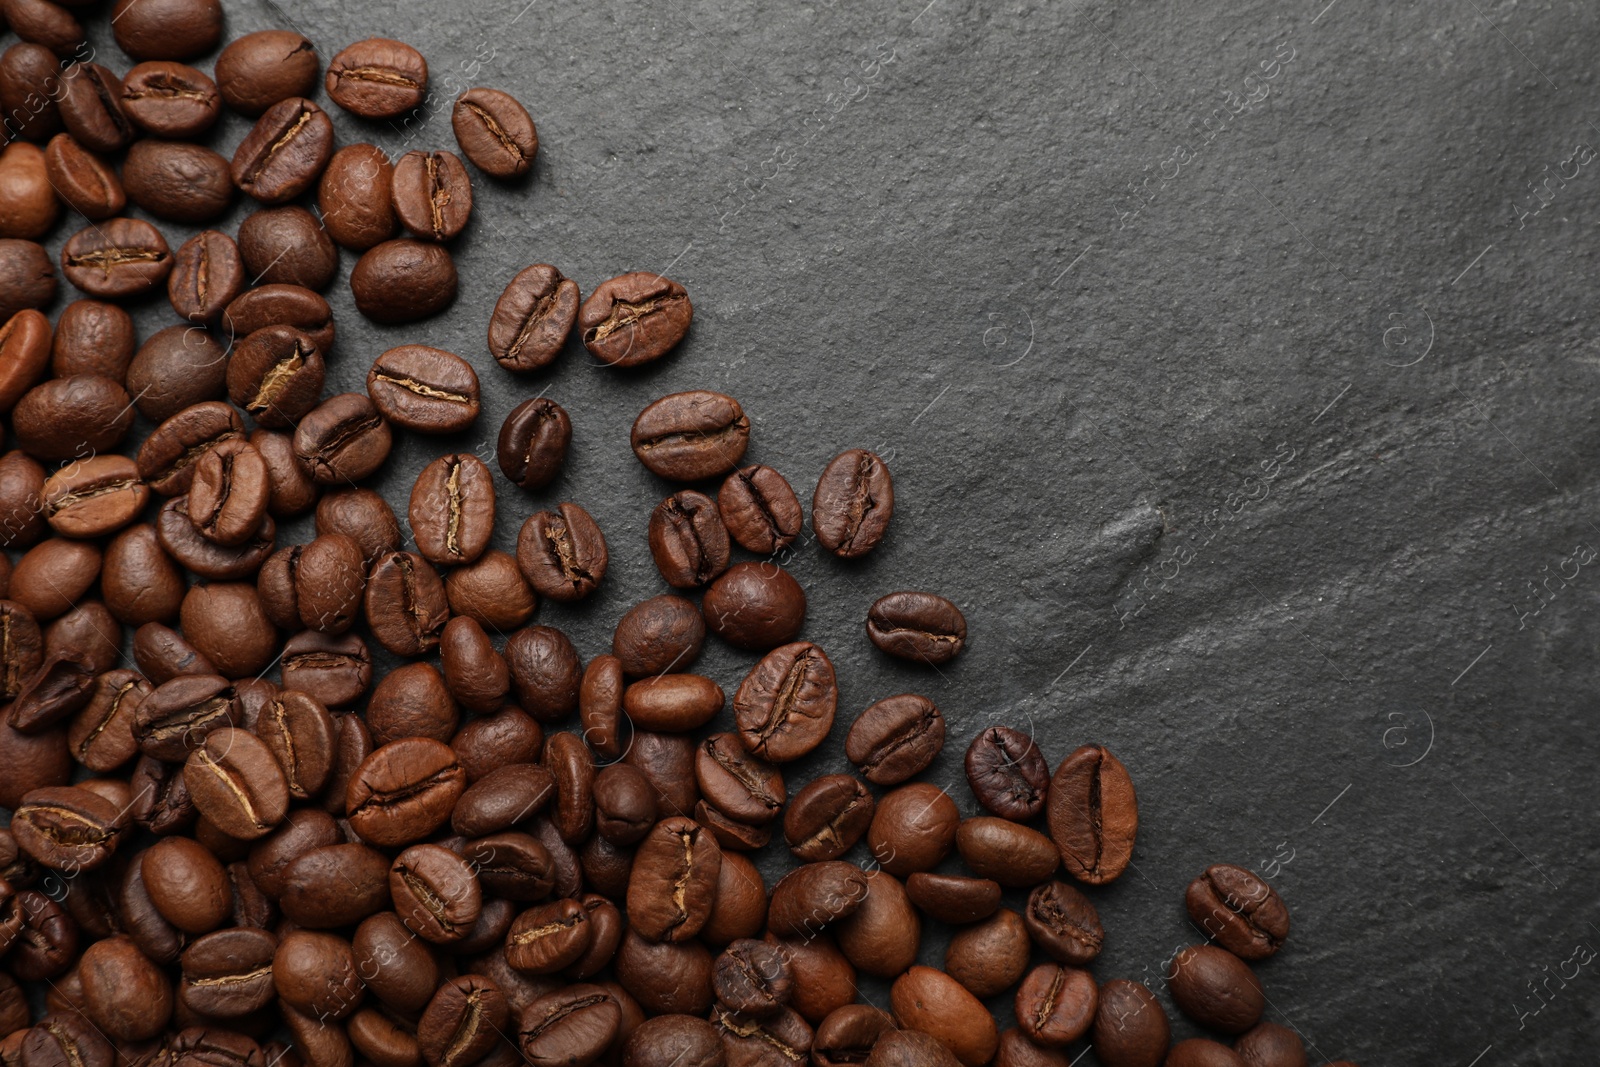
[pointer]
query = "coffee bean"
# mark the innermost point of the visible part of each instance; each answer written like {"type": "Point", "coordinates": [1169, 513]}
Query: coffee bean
{"type": "Point", "coordinates": [92, 337]}
{"type": "Point", "coordinates": [280, 305]}
{"type": "Point", "coordinates": [377, 78]}
{"type": "Point", "coordinates": [315, 973]}
{"type": "Point", "coordinates": [953, 898]}
{"type": "Point", "coordinates": [335, 670]}
{"type": "Point", "coordinates": [207, 275]}
{"type": "Point", "coordinates": [785, 705]}
{"type": "Point", "coordinates": [301, 735]}
{"type": "Point", "coordinates": [474, 672]}
{"type": "Point", "coordinates": [462, 1022]}
{"type": "Point", "coordinates": [27, 280]}
{"type": "Point", "coordinates": [48, 942]}
{"type": "Point", "coordinates": [689, 436]}
{"type": "Point", "coordinates": [354, 198]}
{"type": "Point", "coordinates": [513, 866]}
{"type": "Point", "coordinates": [895, 738]}
{"type": "Point", "coordinates": [21, 647]}
{"type": "Point", "coordinates": [1093, 814]}
{"type": "Point", "coordinates": [827, 817]}
{"type": "Point", "coordinates": [363, 516]}
{"type": "Point", "coordinates": [171, 100]}
{"type": "Point", "coordinates": [176, 368]}
{"type": "Point", "coordinates": [1271, 1045]}
{"type": "Point", "coordinates": [502, 798]}
{"type": "Point", "coordinates": [53, 576]}
{"type": "Point", "coordinates": [1130, 1027]}
{"type": "Point", "coordinates": [742, 787]}
{"type": "Point", "coordinates": [452, 509]}
{"type": "Point", "coordinates": [125, 995]}
{"type": "Point", "coordinates": [228, 497]}
{"type": "Point", "coordinates": [432, 195]}
{"type": "Point", "coordinates": [562, 553]}
{"type": "Point", "coordinates": [1242, 912]}
{"type": "Point", "coordinates": [287, 246]}
{"type": "Point", "coordinates": [91, 108]}
{"type": "Point", "coordinates": [574, 1025]}
{"type": "Point", "coordinates": [913, 829]}
{"type": "Point", "coordinates": [424, 389]}
{"type": "Point", "coordinates": [905, 1048]}
{"type": "Point", "coordinates": [572, 765]}
{"type": "Point", "coordinates": [30, 207]}
{"type": "Point", "coordinates": [285, 152]}
{"type": "Point", "coordinates": [30, 91]}
{"type": "Point", "coordinates": [759, 509]}
{"type": "Point", "coordinates": [167, 29]}
{"type": "Point", "coordinates": [404, 791]}
{"type": "Point", "coordinates": [187, 884]}
{"type": "Point", "coordinates": [161, 653]}
{"type": "Point", "coordinates": [396, 966]}
{"type": "Point", "coordinates": [85, 182]}
{"type": "Point", "coordinates": [25, 348]}
{"type": "Point", "coordinates": [354, 746]}
{"type": "Point", "coordinates": [178, 536]}
{"type": "Point", "coordinates": [755, 606]}
{"type": "Point", "coordinates": [532, 318]}
{"type": "Point", "coordinates": [161, 800]}
{"type": "Point", "coordinates": [989, 957]}
{"type": "Point", "coordinates": [625, 806]}
{"type": "Point", "coordinates": [657, 635]}
{"type": "Point", "coordinates": [1007, 773]}
{"type": "Point", "coordinates": [784, 1036]}
{"type": "Point", "coordinates": [403, 281]}
{"type": "Point", "coordinates": [730, 833]}
{"type": "Point", "coordinates": [740, 908]}
{"type": "Point", "coordinates": [343, 439]}
{"type": "Point", "coordinates": [335, 885]}
{"type": "Point", "coordinates": [44, 23]}
{"type": "Point", "coordinates": [853, 503]}
{"type": "Point", "coordinates": [492, 591]}
{"type": "Point", "coordinates": [179, 182]}
{"type": "Point", "coordinates": [405, 603]}
{"type": "Point", "coordinates": [600, 706]}
{"type": "Point", "coordinates": [1216, 989]}
{"type": "Point", "coordinates": [435, 893]}
{"type": "Point", "coordinates": [687, 540]}
{"type": "Point", "coordinates": [1056, 1005]}
{"type": "Point", "coordinates": [412, 701]}
{"type": "Point", "coordinates": [167, 457]}
{"type": "Point", "coordinates": [259, 69]}
{"type": "Point", "coordinates": [674, 875]}
{"type": "Point", "coordinates": [228, 974]}
{"type": "Point", "coordinates": [1203, 1052]}
{"type": "Point", "coordinates": [101, 735]}
{"type": "Point", "coordinates": [94, 497]}
{"type": "Point", "coordinates": [926, 1000]}
{"type": "Point", "coordinates": [548, 938]}
{"type": "Point", "coordinates": [60, 687]}
{"type": "Point", "coordinates": [495, 132]}
{"type": "Point", "coordinates": [67, 828]}
{"type": "Point", "coordinates": [1063, 922]}
{"type": "Point", "coordinates": [674, 1041]}
{"type": "Point", "coordinates": [178, 716]}
{"type": "Point", "coordinates": [634, 319]}
{"type": "Point", "coordinates": [276, 375]}
{"type": "Point", "coordinates": [533, 442]}
{"type": "Point", "coordinates": [812, 896]}
{"type": "Point", "coordinates": [847, 1036]}
{"type": "Point", "coordinates": [236, 782]}
{"type": "Point", "coordinates": [117, 258]}
{"type": "Point", "coordinates": [920, 627]}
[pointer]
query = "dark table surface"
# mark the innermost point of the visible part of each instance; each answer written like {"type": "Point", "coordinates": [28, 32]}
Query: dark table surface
{"type": "Point", "coordinates": [1231, 361]}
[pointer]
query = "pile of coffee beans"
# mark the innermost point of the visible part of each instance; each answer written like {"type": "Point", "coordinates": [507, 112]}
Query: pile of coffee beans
{"type": "Point", "coordinates": [490, 851]}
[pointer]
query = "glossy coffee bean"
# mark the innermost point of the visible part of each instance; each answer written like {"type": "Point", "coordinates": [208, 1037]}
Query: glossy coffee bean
{"type": "Point", "coordinates": [84, 181]}
{"type": "Point", "coordinates": [1064, 923]}
{"type": "Point", "coordinates": [236, 783]}
{"type": "Point", "coordinates": [259, 69]}
{"type": "Point", "coordinates": [1093, 814]}
{"type": "Point", "coordinates": [284, 153]}
{"type": "Point", "coordinates": [760, 509]}
{"type": "Point", "coordinates": [462, 1022]}
{"type": "Point", "coordinates": [926, 1000]}
{"type": "Point", "coordinates": [674, 876]}
{"type": "Point", "coordinates": [139, 581]}
{"type": "Point", "coordinates": [562, 553]}
{"type": "Point", "coordinates": [953, 898]}
{"type": "Point", "coordinates": [424, 389]}
{"type": "Point", "coordinates": [116, 258]}
{"type": "Point", "coordinates": [187, 884]}
{"type": "Point", "coordinates": [353, 197]}
{"type": "Point", "coordinates": [474, 671]}
{"type": "Point", "coordinates": [364, 517]}
{"type": "Point", "coordinates": [549, 937]}
{"type": "Point", "coordinates": [635, 319]}
{"type": "Point", "coordinates": [170, 99]}
{"type": "Point", "coordinates": [920, 627]}
{"type": "Point", "coordinates": [625, 806]}
{"type": "Point", "coordinates": [905, 1048]}
{"type": "Point", "coordinates": [1271, 1045]}
{"type": "Point", "coordinates": [689, 436]}
{"type": "Point", "coordinates": [991, 956]}
{"type": "Point", "coordinates": [95, 497]}
{"type": "Point", "coordinates": [405, 603]}
{"type": "Point", "coordinates": [673, 702]}
{"type": "Point", "coordinates": [432, 195]}
{"type": "Point", "coordinates": [687, 540]}
{"type": "Point", "coordinates": [436, 894]}
{"type": "Point", "coordinates": [30, 205]}
{"type": "Point", "coordinates": [574, 1025]}
{"type": "Point", "coordinates": [53, 576]}
{"type": "Point", "coordinates": [207, 275]}
{"type": "Point", "coordinates": [403, 281]}
{"type": "Point", "coordinates": [895, 738]}
{"type": "Point", "coordinates": [228, 497]}
{"type": "Point", "coordinates": [492, 591]}
{"type": "Point", "coordinates": [275, 375]}
{"type": "Point", "coordinates": [166, 458]}
{"type": "Point", "coordinates": [1239, 910]}
{"type": "Point", "coordinates": [176, 368]}
{"type": "Point", "coordinates": [61, 686]}
{"type": "Point", "coordinates": [334, 885]}
{"type": "Point", "coordinates": [739, 785]}
{"type": "Point", "coordinates": [228, 626]}
{"type": "Point", "coordinates": [452, 509]}
{"type": "Point", "coordinates": [125, 994]}
{"type": "Point", "coordinates": [404, 791]}
{"type": "Point", "coordinates": [848, 1035]}
{"type": "Point", "coordinates": [600, 707]}
{"type": "Point", "coordinates": [883, 936]}
{"type": "Point", "coordinates": [377, 78]}
{"type": "Point", "coordinates": [853, 503]}
{"type": "Point", "coordinates": [412, 701]}
{"type": "Point", "coordinates": [913, 829]}
{"type": "Point", "coordinates": [287, 246]}
{"type": "Point", "coordinates": [1130, 1026]}
{"type": "Point", "coordinates": [27, 280]}
{"type": "Point", "coordinates": [658, 635]}
{"type": "Point", "coordinates": [91, 108]}
{"type": "Point", "coordinates": [812, 896]}
{"type": "Point", "coordinates": [343, 439]}
{"type": "Point", "coordinates": [785, 706]}
{"type": "Point", "coordinates": [532, 318]}
{"type": "Point", "coordinates": [827, 817]}
{"type": "Point", "coordinates": [503, 798]}
{"type": "Point", "coordinates": [25, 347]}
{"type": "Point", "coordinates": [335, 670]}
{"type": "Point", "coordinates": [167, 29]}
{"type": "Point", "coordinates": [228, 974]}
{"type": "Point", "coordinates": [178, 182]}
{"type": "Point", "coordinates": [495, 132]}
{"type": "Point", "coordinates": [315, 973]}
{"type": "Point", "coordinates": [1216, 989]}
{"type": "Point", "coordinates": [101, 734]}
{"type": "Point", "coordinates": [533, 442]}
{"type": "Point", "coordinates": [92, 337]}
{"type": "Point", "coordinates": [279, 305]}
{"type": "Point", "coordinates": [67, 828]}
{"type": "Point", "coordinates": [30, 91]}
{"type": "Point", "coordinates": [1007, 773]}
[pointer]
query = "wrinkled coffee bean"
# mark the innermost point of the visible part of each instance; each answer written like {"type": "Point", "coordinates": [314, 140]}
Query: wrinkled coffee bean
{"type": "Point", "coordinates": [1239, 910]}
{"type": "Point", "coordinates": [1093, 814]}
{"type": "Point", "coordinates": [562, 553]}
{"type": "Point", "coordinates": [377, 78]}
{"type": "Point", "coordinates": [687, 540]}
{"type": "Point", "coordinates": [285, 152]}
{"type": "Point", "coordinates": [207, 275]}
{"type": "Point", "coordinates": [495, 131]}
{"type": "Point", "coordinates": [117, 258]}
{"type": "Point", "coordinates": [635, 319]}
{"type": "Point", "coordinates": [432, 195]}
{"type": "Point", "coordinates": [895, 738]}
{"type": "Point", "coordinates": [853, 504]}
{"type": "Point", "coordinates": [920, 627]}
{"type": "Point", "coordinates": [533, 442]}
{"type": "Point", "coordinates": [827, 817]}
{"type": "Point", "coordinates": [1007, 773]}
{"type": "Point", "coordinates": [452, 509]}
{"type": "Point", "coordinates": [689, 436]}
{"type": "Point", "coordinates": [760, 509]}
{"type": "Point", "coordinates": [785, 705]}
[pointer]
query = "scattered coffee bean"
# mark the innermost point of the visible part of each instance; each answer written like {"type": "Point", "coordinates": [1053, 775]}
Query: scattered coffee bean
{"type": "Point", "coordinates": [84, 181]}
{"type": "Point", "coordinates": [689, 436]}
{"type": "Point", "coordinates": [287, 246]}
{"type": "Point", "coordinates": [1216, 989]}
{"type": "Point", "coordinates": [1237, 908]}
{"type": "Point", "coordinates": [895, 739]}
{"type": "Point", "coordinates": [533, 442]}
{"type": "Point", "coordinates": [169, 99]}
{"type": "Point", "coordinates": [562, 553]}
{"type": "Point", "coordinates": [1093, 814]}
{"type": "Point", "coordinates": [785, 705]}
{"type": "Point", "coordinates": [495, 132]}
{"type": "Point", "coordinates": [285, 152]}
{"type": "Point", "coordinates": [207, 275]}
{"type": "Point", "coordinates": [259, 69]}
{"type": "Point", "coordinates": [635, 319]}
{"type": "Point", "coordinates": [377, 78]}
{"type": "Point", "coordinates": [853, 503]}
{"type": "Point", "coordinates": [117, 258]}
{"type": "Point", "coordinates": [432, 195]}
{"type": "Point", "coordinates": [354, 199]}
{"type": "Point", "coordinates": [424, 389]}
{"type": "Point", "coordinates": [403, 281]}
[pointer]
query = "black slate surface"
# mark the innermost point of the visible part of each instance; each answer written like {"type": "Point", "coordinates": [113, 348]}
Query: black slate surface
{"type": "Point", "coordinates": [1234, 363]}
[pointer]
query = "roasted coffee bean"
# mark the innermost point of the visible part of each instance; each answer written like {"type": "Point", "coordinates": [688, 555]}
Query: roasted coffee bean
{"type": "Point", "coordinates": [600, 707]}
{"type": "Point", "coordinates": [395, 965]}
{"type": "Point", "coordinates": [343, 439]}
{"type": "Point", "coordinates": [364, 517]}
{"type": "Point", "coordinates": [920, 627]}
{"type": "Point", "coordinates": [187, 884]}
{"type": "Point", "coordinates": [1216, 989]}
{"type": "Point", "coordinates": [25, 349]}
{"type": "Point", "coordinates": [689, 436]}
{"type": "Point", "coordinates": [316, 586]}
{"type": "Point", "coordinates": [636, 318]}
{"type": "Point", "coordinates": [462, 1022]}
{"type": "Point", "coordinates": [759, 509]}
{"type": "Point", "coordinates": [1130, 1027]}
{"type": "Point", "coordinates": [513, 866]}
{"type": "Point", "coordinates": [785, 705]}
{"type": "Point", "coordinates": [315, 973]}
{"type": "Point", "coordinates": [301, 734]}
{"type": "Point", "coordinates": [377, 78]}
{"type": "Point", "coordinates": [666, 977]}
{"type": "Point", "coordinates": [572, 765]}
{"type": "Point", "coordinates": [54, 575]}
{"type": "Point", "coordinates": [533, 441]}
{"type": "Point", "coordinates": [94, 497]}
{"type": "Point", "coordinates": [503, 798]}
{"type": "Point", "coordinates": [625, 805]}
{"type": "Point", "coordinates": [730, 833]}
{"type": "Point", "coordinates": [1007, 773]}
{"type": "Point", "coordinates": [207, 274]}
{"type": "Point", "coordinates": [161, 654]}
{"type": "Point", "coordinates": [1271, 1045]}
{"type": "Point", "coordinates": [1203, 1052]}
{"type": "Point", "coordinates": [47, 24]}
{"type": "Point", "coordinates": [412, 701]}
{"type": "Point", "coordinates": [178, 715]}
{"type": "Point", "coordinates": [48, 943]}
{"type": "Point", "coordinates": [953, 898]}
{"type": "Point", "coordinates": [287, 246]}
{"type": "Point", "coordinates": [688, 540]}
{"type": "Point", "coordinates": [404, 791]}
{"type": "Point", "coordinates": [303, 831]}
{"type": "Point", "coordinates": [176, 368]}
{"type": "Point", "coordinates": [30, 91]}
{"type": "Point", "coordinates": [280, 305]}
{"type": "Point", "coordinates": [755, 606]}
{"type": "Point", "coordinates": [929, 1001]}
{"type": "Point", "coordinates": [354, 198]}
{"type": "Point", "coordinates": [179, 537]}
{"type": "Point", "coordinates": [228, 974]}
{"type": "Point", "coordinates": [492, 591]}
{"type": "Point", "coordinates": [61, 686]}
{"type": "Point", "coordinates": [495, 131]}
{"type": "Point", "coordinates": [405, 603]}
{"type": "Point", "coordinates": [475, 674]}
{"type": "Point", "coordinates": [335, 670]}
{"type": "Point", "coordinates": [118, 258]}
{"type": "Point", "coordinates": [29, 208]}
{"type": "Point", "coordinates": [740, 908]}
{"type": "Point", "coordinates": [573, 1025]}
{"type": "Point", "coordinates": [67, 828]}
{"type": "Point", "coordinates": [21, 500]}
{"type": "Point", "coordinates": [739, 785]}
{"type": "Point", "coordinates": [533, 317]}
{"type": "Point", "coordinates": [673, 702]}
{"type": "Point", "coordinates": [284, 153]}
{"type": "Point", "coordinates": [432, 194]}
{"type": "Point", "coordinates": [167, 29]}
{"type": "Point", "coordinates": [85, 182]}
{"type": "Point", "coordinates": [847, 1036]}
{"type": "Point", "coordinates": [913, 829]}
{"type": "Point", "coordinates": [91, 108]}
{"type": "Point", "coordinates": [545, 671]}
{"type": "Point", "coordinates": [236, 783]}
{"type": "Point", "coordinates": [228, 497]}
{"type": "Point", "coordinates": [1056, 1005]}
{"type": "Point", "coordinates": [1239, 910]}
{"type": "Point", "coordinates": [259, 69]}
{"type": "Point", "coordinates": [895, 738]}
{"type": "Point", "coordinates": [452, 509]}
{"type": "Point", "coordinates": [179, 182]}
{"type": "Point", "coordinates": [660, 634]}
{"type": "Point", "coordinates": [403, 281]}
{"type": "Point", "coordinates": [92, 337]}
{"type": "Point", "coordinates": [292, 490]}
{"type": "Point", "coordinates": [824, 980]}
{"type": "Point", "coordinates": [1064, 923]}
{"type": "Point", "coordinates": [167, 457]}
{"type": "Point", "coordinates": [562, 553]}
{"type": "Point", "coordinates": [1093, 814]}
{"type": "Point", "coordinates": [436, 894]}
{"type": "Point", "coordinates": [853, 503]}
{"type": "Point", "coordinates": [101, 735]}
{"type": "Point", "coordinates": [674, 878]}
{"type": "Point", "coordinates": [170, 99]}
{"type": "Point", "coordinates": [27, 280]}
{"type": "Point", "coordinates": [784, 1037]}
{"type": "Point", "coordinates": [424, 389]}
{"type": "Point", "coordinates": [227, 624]}
{"type": "Point", "coordinates": [71, 418]}
{"type": "Point", "coordinates": [991, 956]}
{"type": "Point", "coordinates": [910, 1048]}
{"type": "Point", "coordinates": [548, 938]}
{"type": "Point", "coordinates": [674, 1041]}
{"type": "Point", "coordinates": [335, 885]}
{"type": "Point", "coordinates": [883, 935]}
{"type": "Point", "coordinates": [21, 648]}
{"type": "Point", "coordinates": [827, 817]}
{"type": "Point", "coordinates": [812, 896]}
{"type": "Point", "coordinates": [161, 802]}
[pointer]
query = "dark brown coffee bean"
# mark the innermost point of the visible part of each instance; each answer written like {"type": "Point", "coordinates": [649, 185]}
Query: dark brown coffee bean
{"type": "Point", "coordinates": [47, 24]}
{"type": "Point", "coordinates": [30, 207]}
{"type": "Point", "coordinates": [287, 246]}
{"type": "Point", "coordinates": [492, 591]}
{"type": "Point", "coordinates": [689, 436]}
{"type": "Point", "coordinates": [259, 69]}
{"type": "Point", "coordinates": [177, 717]}
{"type": "Point", "coordinates": [739, 785]}
{"type": "Point", "coordinates": [1239, 910]}
{"type": "Point", "coordinates": [354, 197]}
{"type": "Point", "coordinates": [101, 735]}
{"type": "Point", "coordinates": [27, 280]}
{"type": "Point", "coordinates": [920, 627]}
{"type": "Point", "coordinates": [48, 943]}
{"type": "Point", "coordinates": [953, 898]}
{"type": "Point", "coordinates": [335, 885]}
{"type": "Point", "coordinates": [161, 801]}
{"type": "Point", "coordinates": [658, 635]}
{"type": "Point", "coordinates": [67, 828]}
{"type": "Point", "coordinates": [933, 1003]}
{"type": "Point", "coordinates": [494, 131]}
{"type": "Point", "coordinates": [475, 674]}
{"type": "Point", "coordinates": [187, 885]}
{"type": "Point", "coordinates": [395, 965]}
{"type": "Point", "coordinates": [178, 182]}
{"type": "Point", "coordinates": [170, 99]}
{"type": "Point", "coordinates": [600, 707]}
{"type": "Point", "coordinates": [625, 806]}
{"type": "Point", "coordinates": [176, 368]}
{"type": "Point", "coordinates": [94, 497]}
{"type": "Point", "coordinates": [503, 798]}
{"type": "Point", "coordinates": [910, 1048]}
{"type": "Point", "coordinates": [405, 603]}
{"type": "Point", "coordinates": [667, 760]}
{"type": "Point", "coordinates": [827, 817]}
{"type": "Point", "coordinates": [452, 509]}
{"type": "Point", "coordinates": [236, 782]}
{"type": "Point", "coordinates": [674, 1041]}
{"type": "Point", "coordinates": [161, 654]}
{"type": "Point", "coordinates": [403, 281]}
{"type": "Point", "coordinates": [61, 686]}
{"type": "Point", "coordinates": [1216, 989]}
{"type": "Point", "coordinates": [673, 702]}
{"type": "Point", "coordinates": [343, 439]}
{"type": "Point", "coordinates": [424, 389]}
{"type": "Point", "coordinates": [315, 973]}
{"type": "Point", "coordinates": [284, 153]}
{"type": "Point", "coordinates": [572, 765]}
{"type": "Point", "coordinates": [354, 740]}
{"type": "Point", "coordinates": [513, 866]}
{"type": "Point", "coordinates": [1093, 814]}
{"type": "Point", "coordinates": [432, 195]}
{"type": "Point", "coordinates": [847, 1036]}
{"type": "Point", "coordinates": [895, 738]}
{"type": "Point", "coordinates": [300, 733]}
{"type": "Point", "coordinates": [562, 553]}
{"type": "Point", "coordinates": [436, 894]}
{"type": "Point", "coordinates": [913, 829]}
{"type": "Point", "coordinates": [280, 305]}
{"type": "Point", "coordinates": [785, 705]}
{"type": "Point", "coordinates": [71, 418]}
{"type": "Point", "coordinates": [634, 319]}
{"type": "Point", "coordinates": [335, 670]}
{"type": "Point", "coordinates": [1271, 1045]}
{"type": "Point", "coordinates": [25, 348]}
{"type": "Point", "coordinates": [883, 935]}
{"type": "Point", "coordinates": [688, 540]}
{"type": "Point", "coordinates": [760, 509]}
{"type": "Point", "coordinates": [85, 182]}
{"type": "Point", "coordinates": [53, 576]}
{"type": "Point", "coordinates": [21, 500]}
{"type": "Point", "coordinates": [207, 274]}
{"type": "Point", "coordinates": [404, 791]}
{"type": "Point", "coordinates": [462, 1022]}
{"type": "Point", "coordinates": [548, 938]}
{"type": "Point", "coordinates": [377, 78]}
{"type": "Point", "coordinates": [302, 832]}
{"type": "Point", "coordinates": [1056, 1005]}
{"type": "Point", "coordinates": [292, 492]}
{"type": "Point", "coordinates": [228, 497]}
{"type": "Point", "coordinates": [1203, 1052]}
{"type": "Point", "coordinates": [1007, 773]}
{"type": "Point", "coordinates": [740, 908]}
{"type": "Point", "coordinates": [117, 258]}
{"type": "Point", "coordinates": [91, 108]}
{"type": "Point", "coordinates": [784, 1037]}
{"type": "Point", "coordinates": [30, 91]}
{"type": "Point", "coordinates": [64, 1038]}
{"type": "Point", "coordinates": [853, 503]}
{"type": "Point", "coordinates": [228, 974]}
{"type": "Point", "coordinates": [991, 956]}
{"type": "Point", "coordinates": [21, 648]}
{"type": "Point", "coordinates": [574, 1025]}
{"type": "Point", "coordinates": [276, 375]}
{"type": "Point", "coordinates": [167, 457]}
{"type": "Point", "coordinates": [167, 29]}
{"type": "Point", "coordinates": [533, 442]}
{"type": "Point", "coordinates": [412, 701]}
{"type": "Point", "coordinates": [532, 318]}
{"type": "Point", "coordinates": [674, 878]}
{"type": "Point", "coordinates": [92, 337]}
{"type": "Point", "coordinates": [364, 517]}
{"type": "Point", "coordinates": [730, 833]}
{"type": "Point", "coordinates": [178, 536]}
{"type": "Point", "coordinates": [815, 895]}
{"type": "Point", "coordinates": [1064, 923]}
{"type": "Point", "coordinates": [227, 624]}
